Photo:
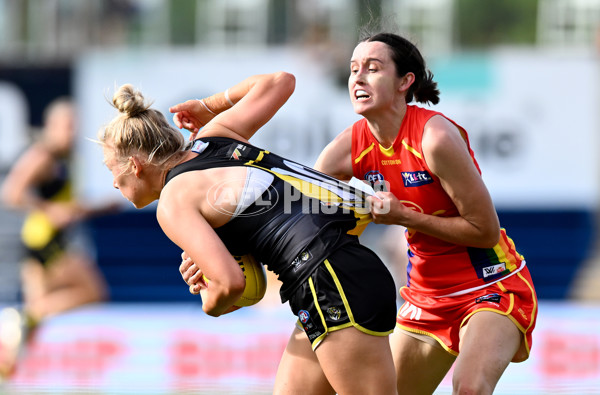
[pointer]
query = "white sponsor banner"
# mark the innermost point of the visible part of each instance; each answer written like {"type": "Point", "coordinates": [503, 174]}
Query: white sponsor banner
{"type": "Point", "coordinates": [162, 349]}
{"type": "Point", "coordinates": [176, 348]}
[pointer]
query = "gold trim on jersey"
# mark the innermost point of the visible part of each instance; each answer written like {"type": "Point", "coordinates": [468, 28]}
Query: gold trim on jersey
{"type": "Point", "coordinates": [362, 154]}
{"type": "Point", "coordinates": [389, 151]}
{"type": "Point", "coordinates": [319, 339]}
{"type": "Point", "coordinates": [533, 311]}
{"type": "Point", "coordinates": [259, 157]}
{"type": "Point", "coordinates": [411, 149]}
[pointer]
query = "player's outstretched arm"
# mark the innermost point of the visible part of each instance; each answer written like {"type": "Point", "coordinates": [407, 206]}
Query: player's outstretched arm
{"type": "Point", "coordinates": [239, 111]}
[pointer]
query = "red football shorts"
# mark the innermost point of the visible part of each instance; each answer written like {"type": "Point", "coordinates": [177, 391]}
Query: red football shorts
{"type": "Point", "coordinates": [442, 318]}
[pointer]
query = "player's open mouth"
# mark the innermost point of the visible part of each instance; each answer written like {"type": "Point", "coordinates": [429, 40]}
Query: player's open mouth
{"type": "Point", "coordinates": [361, 95]}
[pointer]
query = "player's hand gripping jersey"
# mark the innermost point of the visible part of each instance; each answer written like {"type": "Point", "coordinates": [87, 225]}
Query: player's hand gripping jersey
{"type": "Point", "coordinates": [280, 196]}
{"type": "Point", "coordinates": [436, 267]}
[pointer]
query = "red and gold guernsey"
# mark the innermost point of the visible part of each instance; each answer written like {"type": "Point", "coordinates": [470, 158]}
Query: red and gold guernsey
{"type": "Point", "coordinates": [435, 267]}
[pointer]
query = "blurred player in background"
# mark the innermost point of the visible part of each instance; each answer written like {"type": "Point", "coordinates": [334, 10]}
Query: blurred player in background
{"type": "Point", "coordinates": [469, 298]}
{"type": "Point", "coordinates": [221, 196]}
{"type": "Point", "coordinates": [58, 272]}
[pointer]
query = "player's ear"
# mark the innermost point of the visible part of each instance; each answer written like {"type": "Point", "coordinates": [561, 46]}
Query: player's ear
{"type": "Point", "coordinates": [136, 165]}
{"type": "Point", "coordinates": [406, 81]}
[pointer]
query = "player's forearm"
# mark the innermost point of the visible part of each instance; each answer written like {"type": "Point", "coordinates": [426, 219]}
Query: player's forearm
{"type": "Point", "coordinates": [456, 230]}
{"type": "Point", "coordinates": [18, 199]}
{"type": "Point", "coordinates": [223, 101]}
{"type": "Point", "coordinates": [216, 302]}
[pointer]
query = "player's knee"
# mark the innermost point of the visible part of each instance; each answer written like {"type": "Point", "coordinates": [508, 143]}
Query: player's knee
{"type": "Point", "coordinates": [471, 385]}
{"type": "Point", "coordinates": [521, 355]}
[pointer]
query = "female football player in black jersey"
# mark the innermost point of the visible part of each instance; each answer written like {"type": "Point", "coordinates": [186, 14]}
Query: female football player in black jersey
{"type": "Point", "coordinates": [220, 196]}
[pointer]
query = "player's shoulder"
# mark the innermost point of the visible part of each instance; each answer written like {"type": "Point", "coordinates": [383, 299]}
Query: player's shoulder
{"type": "Point", "coordinates": [443, 139]}
{"type": "Point", "coordinates": [439, 128]}
{"type": "Point", "coordinates": [342, 142]}
{"type": "Point", "coordinates": [336, 158]}
{"type": "Point", "coordinates": [345, 135]}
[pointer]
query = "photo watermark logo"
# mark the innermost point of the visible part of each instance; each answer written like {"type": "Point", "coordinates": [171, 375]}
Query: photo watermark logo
{"type": "Point", "coordinates": [233, 196]}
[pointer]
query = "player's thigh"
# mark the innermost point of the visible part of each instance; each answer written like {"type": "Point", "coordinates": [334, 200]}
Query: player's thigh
{"type": "Point", "coordinates": [420, 365]}
{"type": "Point", "coordinates": [33, 278]}
{"type": "Point", "coordinates": [488, 343]}
{"type": "Point", "coordinates": [357, 363]}
{"type": "Point", "coordinates": [299, 371]}
{"type": "Point", "coordinates": [73, 269]}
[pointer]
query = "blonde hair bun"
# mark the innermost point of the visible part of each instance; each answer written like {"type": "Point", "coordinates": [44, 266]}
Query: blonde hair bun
{"type": "Point", "coordinates": [129, 101]}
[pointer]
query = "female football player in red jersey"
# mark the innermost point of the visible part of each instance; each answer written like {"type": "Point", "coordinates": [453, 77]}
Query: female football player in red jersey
{"type": "Point", "coordinates": [469, 298]}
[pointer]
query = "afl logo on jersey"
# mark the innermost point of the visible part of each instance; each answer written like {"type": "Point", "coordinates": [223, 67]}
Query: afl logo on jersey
{"type": "Point", "coordinates": [377, 182]}
{"type": "Point", "coordinates": [303, 316]}
{"type": "Point", "coordinates": [373, 176]}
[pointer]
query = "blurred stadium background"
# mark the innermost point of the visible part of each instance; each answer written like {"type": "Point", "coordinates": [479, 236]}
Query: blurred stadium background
{"type": "Point", "coordinates": [523, 77]}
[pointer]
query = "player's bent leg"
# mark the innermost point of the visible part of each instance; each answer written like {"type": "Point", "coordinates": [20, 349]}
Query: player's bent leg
{"type": "Point", "coordinates": [73, 281]}
{"type": "Point", "coordinates": [357, 363]}
{"type": "Point", "coordinates": [299, 371]}
{"type": "Point", "coordinates": [33, 280]}
{"type": "Point", "coordinates": [488, 343]}
{"type": "Point", "coordinates": [420, 365]}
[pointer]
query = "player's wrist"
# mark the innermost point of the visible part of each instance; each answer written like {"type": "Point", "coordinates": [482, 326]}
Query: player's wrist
{"type": "Point", "coordinates": [218, 102]}
{"type": "Point", "coordinates": [206, 107]}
